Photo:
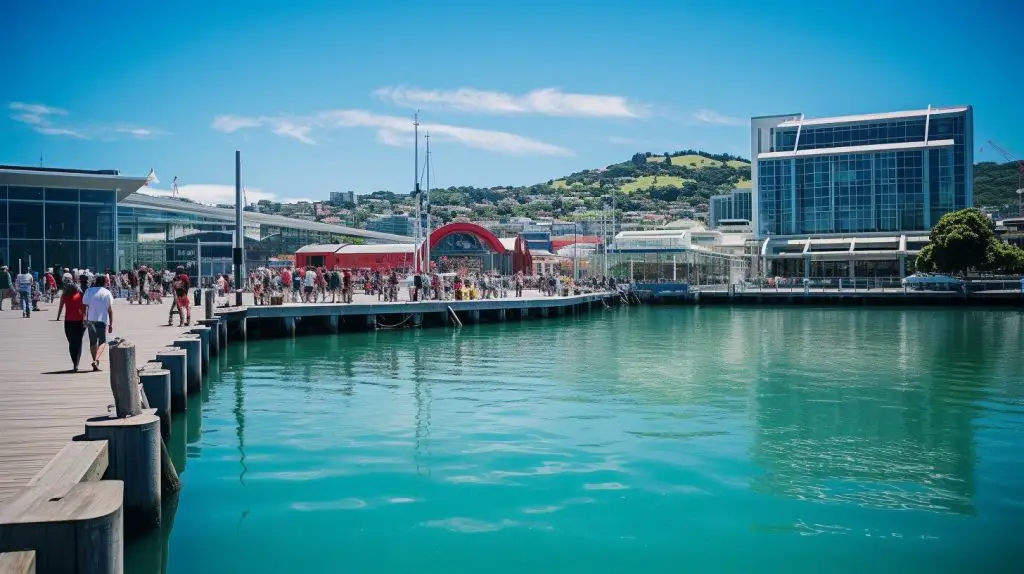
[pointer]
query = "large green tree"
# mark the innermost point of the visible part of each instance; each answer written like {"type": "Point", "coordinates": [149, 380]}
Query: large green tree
{"type": "Point", "coordinates": [966, 240]}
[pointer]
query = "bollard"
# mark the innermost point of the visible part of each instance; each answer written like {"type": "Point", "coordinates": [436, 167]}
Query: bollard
{"type": "Point", "coordinates": [175, 360]}
{"type": "Point", "coordinates": [193, 346]}
{"type": "Point", "coordinates": [208, 303]}
{"type": "Point", "coordinates": [214, 325]}
{"type": "Point", "coordinates": [73, 528]}
{"type": "Point", "coordinates": [156, 382]}
{"type": "Point", "coordinates": [124, 382]}
{"type": "Point", "coordinates": [134, 447]}
{"type": "Point", "coordinates": [222, 326]}
{"type": "Point", "coordinates": [204, 336]}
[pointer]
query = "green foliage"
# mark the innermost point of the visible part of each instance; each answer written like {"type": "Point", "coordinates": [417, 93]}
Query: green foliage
{"type": "Point", "coordinates": [961, 240]}
{"type": "Point", "coordinates": [966, 240]}
{"type": "Point", "coordinates": [995, 184]}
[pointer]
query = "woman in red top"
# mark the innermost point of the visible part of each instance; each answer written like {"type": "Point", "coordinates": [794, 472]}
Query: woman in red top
{"type": "Point", "coordinates": [74, 321]}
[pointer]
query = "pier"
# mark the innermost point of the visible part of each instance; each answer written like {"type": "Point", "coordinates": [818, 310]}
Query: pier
{"type": "Point", "coordinates": [365, 313]}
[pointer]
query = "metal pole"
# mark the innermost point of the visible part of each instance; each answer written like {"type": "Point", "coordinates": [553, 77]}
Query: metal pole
{"type": "Point", "coordinates": [426, 232]}
{"type": "Point", "coordinates": [239, 230]}
{"type": "Point", "coordinates": [416, 187]}
{"type": "Point", "coordinates": [199, 263]}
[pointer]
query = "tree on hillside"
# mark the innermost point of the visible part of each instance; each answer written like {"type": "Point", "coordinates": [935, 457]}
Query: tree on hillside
{"type": "Point", "coordinates": [638, 159]}
{"type": "Point", "coordinates": [965, 240]}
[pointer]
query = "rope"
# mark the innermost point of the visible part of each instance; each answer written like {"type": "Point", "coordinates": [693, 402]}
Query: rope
{"type": "Point", "coordinates": [382, 325]}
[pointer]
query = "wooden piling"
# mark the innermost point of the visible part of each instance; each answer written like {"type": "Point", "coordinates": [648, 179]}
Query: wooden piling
{"type": "Point", "coordinates": [222, 327]}
{"type": "Point", "coordinates": [289, 326]}
{"type": "Point", "coordinates": [193, 347]}
{"type": "Point", "coordinates": [204, 336]}
{"type": "Point", "coordinates": [214, 325]}
{"type": "Point", "coordinates": [124, 380]}
{"type": "Point", "coordinates": [134, 447]}
{"type": "Point", "coordinates": [73, 528]}
{"type": "Point", "coordinates": [175, 361]}
{"type": "Point", "coordinates": [156, 382]}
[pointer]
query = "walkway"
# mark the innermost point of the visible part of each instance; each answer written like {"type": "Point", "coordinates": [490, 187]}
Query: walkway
{"type": "Point", "coordinates": [42, 408]}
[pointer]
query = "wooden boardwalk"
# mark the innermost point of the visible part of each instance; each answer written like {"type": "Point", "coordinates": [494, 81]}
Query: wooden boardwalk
{"type": "Point", "coordinates": [41, 409]}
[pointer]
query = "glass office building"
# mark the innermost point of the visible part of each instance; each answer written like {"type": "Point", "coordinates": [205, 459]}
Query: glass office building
{"type": "Point", "coordinates": [95, 219]}
{"type": "Point", "coordinates": [62, 218]}
{"type": "Point", "coordinates": [888, 172]}
{"type": "Point", "coordinates": [736, 205]}
{"type": "Point", "coordinates": [853, 196]}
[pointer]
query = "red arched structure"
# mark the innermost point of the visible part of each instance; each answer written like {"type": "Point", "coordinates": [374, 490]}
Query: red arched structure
{"type": "Point", "coordinates": [486, 236]}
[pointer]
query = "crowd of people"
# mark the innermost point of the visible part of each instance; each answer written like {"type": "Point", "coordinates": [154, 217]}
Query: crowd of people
{"type": "Point", "coordinates": [322, 285]}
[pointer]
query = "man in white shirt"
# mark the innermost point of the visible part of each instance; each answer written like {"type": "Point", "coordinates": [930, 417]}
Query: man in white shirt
{"type": "Point", "coordinates": [99, 318]}
{"type": "Point", "coordinates": [24, 283]}
{"type": "Point", "coordinates": [308, 282]}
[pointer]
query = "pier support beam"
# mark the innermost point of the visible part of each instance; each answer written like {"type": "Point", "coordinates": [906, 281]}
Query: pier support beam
{"type": "Point", "coordinates": [474, 316]}
{"type": "Point", "coordinates": [193, 346]}
{"type": "Point", "coordinates": [371, 322]}
{"type": "Point", "coordinates": [156, 383]}
{"type": "Point", "coordinates": [175, 360]}
{"type": "Point", "coordinates": [334, 323]}
{"type": "Point", "coordinates": [545, 311]}
{"type": "Point", "coordinates": [134, 447]}
{"type": "Point", "coordinates": [524, 313]}
{"type": "Point", "coordinates": [214, 326]}
{"type": "Point", "coordinates": [501, 315]}
{"type": "Point", "coordinates": [289, 326]}
{"type": "Point", "coordinates": [204, 337]}
{"type": "Point", "coordinates": [73, 528]}
{"type": "Point", "coordinates": [417, 320]}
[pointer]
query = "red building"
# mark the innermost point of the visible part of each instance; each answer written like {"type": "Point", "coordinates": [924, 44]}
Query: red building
{"type": "Point", "coordinates": [455, 241]}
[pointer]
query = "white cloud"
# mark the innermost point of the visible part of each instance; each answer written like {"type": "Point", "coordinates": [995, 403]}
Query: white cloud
{"type": "Point", "coordinates": [37, 109]}
{"type": "Point", "coordinates": [545, 101]}
{"type": "Point", "coordinates": [393, 138]}
{"type": "Point", "coordinates": [52, 131]}
{"type": "Point", "coordinates": [41, 118]}
{"type": "Point", "coordinates": [713, 117]}
{"type": "Point", "coordinates": [390, 130]}
{"type": "Point", "coordinates": [230, 124]}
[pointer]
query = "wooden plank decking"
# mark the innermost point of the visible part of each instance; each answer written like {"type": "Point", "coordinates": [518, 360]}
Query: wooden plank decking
{"type": "Point", "coordinates": [41, 409]}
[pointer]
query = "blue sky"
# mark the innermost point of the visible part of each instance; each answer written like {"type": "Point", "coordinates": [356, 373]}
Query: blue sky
{"type": "Point", "coordinates": [319, 95]}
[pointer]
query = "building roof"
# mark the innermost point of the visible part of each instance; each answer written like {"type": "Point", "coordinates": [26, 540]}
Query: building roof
{"type": "Point", "coordinates": [68, 178]}
{"type": "Point", "coordinates": [166, 203]}
{"type": "Point", "coordinates": [509, 243]}
{"type": "Point", "coordinates": [872, 117]}
{"type": "Point", "coordinates": [379, 248]}
{"type": "Point", "coordinates": [855, 149]}
{"type": "Point", "coordinates": [321, 248]}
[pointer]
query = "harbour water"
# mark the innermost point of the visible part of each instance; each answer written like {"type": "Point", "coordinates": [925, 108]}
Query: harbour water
{"type": "Point", "coordinates": [641, 439]}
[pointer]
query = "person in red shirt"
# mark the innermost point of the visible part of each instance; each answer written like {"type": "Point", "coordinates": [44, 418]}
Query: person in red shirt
{"type": "Point", "coordinates": [181, 285]}
{"type": "Point", "coordinates": [74, 321]}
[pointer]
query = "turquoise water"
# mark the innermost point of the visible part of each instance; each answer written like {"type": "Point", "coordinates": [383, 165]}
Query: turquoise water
{"type": "Point", "coordinates": [642, 439]}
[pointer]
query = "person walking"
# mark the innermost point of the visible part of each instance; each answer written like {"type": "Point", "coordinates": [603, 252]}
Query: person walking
{"type": "Point", "coordinates": [72, 303]}
{"type": "Point", "coordinates": [99, 312]}
{"type": "Point", "coordinates": [180, 285]}
{"type": "Point", "coordinates": [24, 284]}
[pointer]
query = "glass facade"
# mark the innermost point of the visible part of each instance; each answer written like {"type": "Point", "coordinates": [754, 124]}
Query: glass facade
{"type": "Point", "coordinates": [57, 227]}
{"type": "Point", "coordinates": [737, 204]}
{"type": "Point", "coordinates": [871, 191]}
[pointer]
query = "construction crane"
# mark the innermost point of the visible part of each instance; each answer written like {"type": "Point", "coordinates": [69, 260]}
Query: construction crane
{"type": "Point", "coordinates": [1020, 173]}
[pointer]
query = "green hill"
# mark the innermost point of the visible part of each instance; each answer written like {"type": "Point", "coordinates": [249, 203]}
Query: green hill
{"type": "Point", "coordinates": [995, 184]}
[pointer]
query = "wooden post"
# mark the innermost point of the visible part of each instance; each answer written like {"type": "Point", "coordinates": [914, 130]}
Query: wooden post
{"type": "Point", "coordinates": [175, 361]}
{"type": "Point", "coordinates": [208, 302]}
{"type": "Point", "coordinates": [289, 326]}
{"type": "Point", "coordinates": [156, 382]}
{"type": "Point", "coordinates": [124, 381]}
{"type": "Point", "coordinates": [73, 528]}
{"type": "Point", "coordinates": [371, 322]}
{"type": "Point", "coordinates": [204, 336]}
{"type": "Point", "coordinates": [193, 346]}
{"type": "Point", "coordinates": [134, 447]}
{"type": "Point", "coordinates": [214, 325]}
{"type": "Point", "coordinates": [417, 319]}
{"type": "Point", "coordinates": [334, 323]}
{"type": "Point", "coordinates": [222, 325]}
{"type": "Point", "coordinates": [501, 315]}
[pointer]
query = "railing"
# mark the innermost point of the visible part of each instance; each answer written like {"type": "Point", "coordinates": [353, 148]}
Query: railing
{"type": "Point", "coordinates": [865, 284]}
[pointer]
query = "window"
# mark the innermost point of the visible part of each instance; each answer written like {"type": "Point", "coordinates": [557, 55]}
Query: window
{"type": "Point", "coordinates": [61, 220]}
{"type": "Point", "coordinates": [25, 219]}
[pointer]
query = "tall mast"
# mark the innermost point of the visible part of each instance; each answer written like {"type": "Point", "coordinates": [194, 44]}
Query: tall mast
{"type": "Point", "coordinates": [416, 185]}
{"type": "Point", "coordinates": [426, 208]}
